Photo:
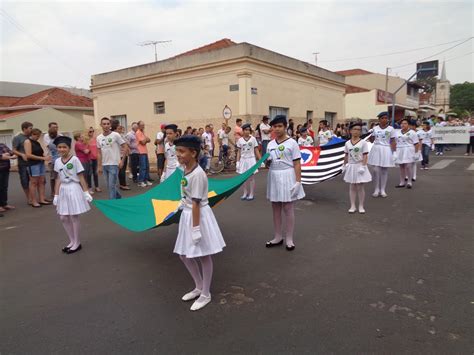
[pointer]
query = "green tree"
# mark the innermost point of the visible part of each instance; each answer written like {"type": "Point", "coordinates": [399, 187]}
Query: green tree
{"type": "Point", "coordinates": [429, 84]}
{"type": "Point", "coordinates": [462, 97]}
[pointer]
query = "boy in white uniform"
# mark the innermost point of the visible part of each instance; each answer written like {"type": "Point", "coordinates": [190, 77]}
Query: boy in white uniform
{"type": "Point", "coordinates": [171, 161]}
{"type": "Point", "coordinates": [325, 134]}
{"type": "Point", "coordinates": [305, 140]}
{"type": "Point", "coordinates": [425, 135]}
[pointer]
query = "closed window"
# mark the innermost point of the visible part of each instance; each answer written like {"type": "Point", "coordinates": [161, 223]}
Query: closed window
{"type": "Point", "coordinates": [159, 107]}
{"type": "Point", "coordinates": [234, 87]}
{"type": "Point", "coordinates": [274, 111]}
{"type": "Point", "coordinates": [121, 118]}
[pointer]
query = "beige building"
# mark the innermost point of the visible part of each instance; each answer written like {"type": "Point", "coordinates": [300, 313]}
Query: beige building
{"type": "Point", "coordinates": [193, 88]}
{"type": "Point", "coordinates": [71, 112]}
{"type": "Point", "coordinates": [365, 95]}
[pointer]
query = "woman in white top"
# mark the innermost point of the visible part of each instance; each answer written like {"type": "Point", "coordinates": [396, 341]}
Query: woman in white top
{"type": "Point", "coordinates": [247, 156]}
{"type": "Point", "coordinates": [199, 236]}
{"type": "Point", "coordinates": [355, 168]}
{"type": "Point", "coordinates": [284, 181]}
{"type": "Point", "coordinates": [407, 153]}
{"type": "Point", "coordinates": [380, 156]}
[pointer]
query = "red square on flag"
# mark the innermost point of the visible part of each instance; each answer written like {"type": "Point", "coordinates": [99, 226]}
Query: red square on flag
{"type": "Point", "coordinates": [309, 155]}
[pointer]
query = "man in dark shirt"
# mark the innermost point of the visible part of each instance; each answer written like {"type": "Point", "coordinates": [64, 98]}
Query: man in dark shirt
{"type": "Point", "coordinates": [5, 155]}
{"type": "Point", "coordinates": [19, 151]}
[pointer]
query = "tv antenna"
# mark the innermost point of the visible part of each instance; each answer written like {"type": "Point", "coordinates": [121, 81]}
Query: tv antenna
{"type": "Point", "coordinates": [153, 43]}
{"type": "Point", "coordinates": [316, 58]}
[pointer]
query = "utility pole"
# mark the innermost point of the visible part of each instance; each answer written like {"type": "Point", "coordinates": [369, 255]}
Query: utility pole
{"type": "Point", "coordinates": [316, 58]}
{"type": "Point", "coordinates": [386, 85]}
{"type": "Point", "coordinates": [153, 43]}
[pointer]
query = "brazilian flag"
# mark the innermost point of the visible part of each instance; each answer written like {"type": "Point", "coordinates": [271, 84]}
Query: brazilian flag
{"type": "Point", "coordinates": [159, 206]}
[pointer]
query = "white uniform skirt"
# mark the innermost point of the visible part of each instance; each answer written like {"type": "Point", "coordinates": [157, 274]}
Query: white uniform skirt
{"type": "Point", "coordinates": [381, 155]}
{"type": "Point", "coordinates": [352, 175]}
{"type": "Point", "coordinates": [406, 155]}
{"type": "Point", "coordinates": [211, 242]}
{"type": "Point", "coordinates": [279, 184]}
{"type": "Point", "coordinates": [246, 164]}
{"type": "Point", "coordinates": [71, 200]}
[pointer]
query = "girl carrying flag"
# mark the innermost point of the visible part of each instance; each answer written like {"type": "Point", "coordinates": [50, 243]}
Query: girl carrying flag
{"type": "Point", "coordinates": [247, 156]}
{"type": "Point", "coordinates": [199, 236]}
{"type": "Point", "coordinates": [284, 181]}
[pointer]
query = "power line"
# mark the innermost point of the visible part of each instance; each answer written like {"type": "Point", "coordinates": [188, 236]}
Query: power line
{"type": "Point", "coordinates": [390, 53]}
{"type": "Point", "coordinates": [18, 26]}
{"type": "Point", "coordinates": [460, 56]}
{"type": "Point", "coordinates": [433, 55]}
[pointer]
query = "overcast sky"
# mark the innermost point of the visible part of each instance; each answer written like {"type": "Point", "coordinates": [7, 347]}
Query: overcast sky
{"type": "Point", "coordinates": [65, 42]}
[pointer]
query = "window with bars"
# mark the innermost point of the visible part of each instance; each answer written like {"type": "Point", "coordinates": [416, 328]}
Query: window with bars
{"type": "Point", "coordinates": [159, 107]}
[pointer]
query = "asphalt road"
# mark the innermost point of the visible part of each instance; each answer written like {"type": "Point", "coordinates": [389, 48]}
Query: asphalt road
{"type": "Point", "coordinates": [395, 280]}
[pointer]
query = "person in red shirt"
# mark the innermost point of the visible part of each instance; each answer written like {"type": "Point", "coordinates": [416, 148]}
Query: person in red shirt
{"type": "Point", "coordinates": [82, 150]}
{"type": "Point", "coordinates": [93, 175]}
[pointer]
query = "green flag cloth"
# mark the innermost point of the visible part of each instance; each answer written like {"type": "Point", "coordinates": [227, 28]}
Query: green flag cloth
{"type": "Point", "coordinates": [159, 206]}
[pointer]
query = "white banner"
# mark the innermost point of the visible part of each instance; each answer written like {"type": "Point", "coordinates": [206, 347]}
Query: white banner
{"type": "Point", "coordinates": [451, 135]}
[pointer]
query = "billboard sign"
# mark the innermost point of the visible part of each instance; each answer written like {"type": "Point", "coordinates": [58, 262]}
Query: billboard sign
{"type": "Point", "coordinates": [431, 65]}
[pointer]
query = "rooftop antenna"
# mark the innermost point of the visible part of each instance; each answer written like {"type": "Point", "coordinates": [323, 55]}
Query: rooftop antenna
{"type": "Point", "coordinates": [316, 58]}
{"type": "Point", "coordinates": [153, 43]}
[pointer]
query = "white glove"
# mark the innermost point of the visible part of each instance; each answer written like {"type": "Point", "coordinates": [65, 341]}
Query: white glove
{"type": "Point", "coordinates": [237, 165]}
{"type": "Point", "coordinates": [196, 235]}
{"type": "Point", "coordinates": [395, 156]}
{"type": "Point", "coordinates": [361, 170]}
{"type": "Point", "coordinates": [162, 178]}
{"type": "Point", "coordinates": [55, 200]}
{"type": "Point", "coordinates": [296, 189]}
{"type": "Point", "coordinates": [433, 147]}
{"type": "Point", "coordinates": [88, 196]}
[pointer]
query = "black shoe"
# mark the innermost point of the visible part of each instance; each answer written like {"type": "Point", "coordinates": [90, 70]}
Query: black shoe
{"type": "Point", "coordinates": [65, 249]}
{"type": "Point", "coordinates": [290, 247]}
{"type": "Point", "coordinates": [399, 186]}
{"type": "Point", "coordinates": [409, 186]}
{"type": "Point", "coordinates": [270, 244]}
{"type": "Point", "coordinates": [406, 179]}
{"type": "Point", "coordinates": [413, 180]}
{"type": "Point", "coordinates": [150, 180]}
{"type": "Point", "coordinates": [70, 251]}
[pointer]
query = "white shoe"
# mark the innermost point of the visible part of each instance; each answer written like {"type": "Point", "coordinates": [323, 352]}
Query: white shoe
{"type": "Point", "coordinates": [383, 194]}
{"type": "Point", "coordinates": [361, 210]}
{"type": "Point", "coordinates": [201, 302]}
{"type": "Point", "coordinates": [191, 295]}
{"type": "Point", "coordinates": [148, 183]}
{"type": "Point", "coordinates": [141, 184]}
{"type": "Point", "coordinates": [352, 210]}
{"type": "Point", "coordinates": [441, 153]}
{"type": "Point", "coordinates": [375, 194]}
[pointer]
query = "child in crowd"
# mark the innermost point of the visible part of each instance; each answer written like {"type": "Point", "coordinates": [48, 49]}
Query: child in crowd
{"type": "Point", "coordinates": [305, 140]}
{"type": "Point", "coordinates": [71, 195]}
{"type": "Point", "coordinates": [380, 156]}
{"type": "Point", "coordinates": [355, 168]}
{"type": "Point", "coordinates": [407, 153]}
{"type": "Point", "coordinates": [171, 161]}
{"type": "Point", "coordinates": [425, 136]}
{"type": "Point", "coordinates": [325, 134]}
{"type": "Point", "coordinates": [247, 156]}
{"type": "Point", "coordinates": [199, 235]}
{"type": "Point", "coordinates": [284, 181]}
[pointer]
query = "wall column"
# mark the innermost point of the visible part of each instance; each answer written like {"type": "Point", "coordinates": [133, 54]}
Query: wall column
{"type": "Point", "coordinates": [245, 98]}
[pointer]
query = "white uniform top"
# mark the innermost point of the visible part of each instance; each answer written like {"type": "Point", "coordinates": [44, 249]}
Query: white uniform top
{"type": "Point", "coordinates": [263, 135]}
{"type": "Point", "coordinates": [247, 147]}
{"type": "Point", "coordinates": [324, 136]}
{"type": "Point", "coordinates": [383, 136]}
{"type": "Point", "coordinates": [283, 154]}
{"type": "Point", "coordinates": [194, 186]}
{"type": "Point", "coordinates": [407, 139]}
{"type": "Point", "coordinates": [170, 155]}
{"type": "Point", "coordinates": [110, 148]}
{"type": "Point", "coordinates": [306, 142]}
{"type": "Point", "coordinates": [68, 171]}
{"type": "Point", "coordinates": [356, 151]}
{"type": "Point", "coordinates": [425, 136]}
{"type": "Point", "coordinates": [207, 137]}
{"type": "Point", "coordinates": [224, 137]}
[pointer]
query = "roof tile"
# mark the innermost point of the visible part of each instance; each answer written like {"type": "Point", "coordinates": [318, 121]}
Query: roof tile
{"type": "Point", "coordinates": [351, 72]}
{"type": "Point", "coordinates": [54, 97]}
{"type": "Point", "coordinates": [223, 43]}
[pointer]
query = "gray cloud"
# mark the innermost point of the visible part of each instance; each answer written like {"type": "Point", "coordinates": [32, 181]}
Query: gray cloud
{"type": "Point", "coordinates": [63, 43]}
